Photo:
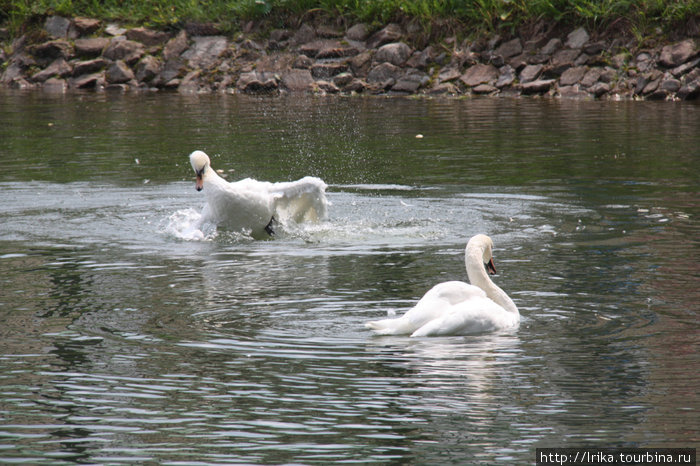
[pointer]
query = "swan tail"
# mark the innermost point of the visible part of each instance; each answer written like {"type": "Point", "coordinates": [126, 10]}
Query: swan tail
{"type": "Point", "coordinates": [389, 327]}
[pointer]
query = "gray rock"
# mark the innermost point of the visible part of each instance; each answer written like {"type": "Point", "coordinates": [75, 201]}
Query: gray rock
{"type": "Point", "coordinates": [506, 76]}
{"type": "Point", "coordinates": [327, 87]}
{"type": "Point", "coordinates": [84, 26]}
{"type": "Point", "coordinates": [327, 70]}
{"type": "Point", "coordinates": [148, 68]}
{"type": "Point", "coordinates": [115, 30]}
{"type": "Point", "coordinates": [55, 85]}
{"type": "Point", "coordinates": [449, 74]}
{"type": "Point", "coordinates": [689, 91]}
{"type": "Point", "coordinates": [304, 34]}
{"type": "Point", "coordinates": [480, 74]}
{"type": "Point", "coordinates": [147, 37]}
{"type": "Point", "coordinates": [551, 47]}
{"type": "Point", "coordinates": [88, 81]}
{"type": "Point", "coordinates": [530, 73]}
{"type": "Point", "coordinates": [422, 59]}
{"type": "Point", "coordinates": [58, 68]}
{"type": "Point", "coordinates": [343, 79]}
{"type": "Point", "coordinates": [49, 51]}
{"type": "Point", "coordinates": [510, 48]}
{"type": "Point", "coordinates": [396, 53]}
{"type": "Point", "coordinates": [391, 33]}
{"type": "Point", "coordinates": [205, 51]}
{"type": "Point", "coordinates": [126, 50]}
{"type": "Point", "coordinates": [302, 62]}
{"type": "Point", "coordinates": [563, 60]}
{"type": "Point", "coordinates": [171, 70]}
{"type": "Point", "coordinates": [599, 89]}
{"type": "Point", "coordinates": [572, 76]}
{"type": "Point", "coordinates": [175, 46]}
{"type": "Point", "coordinates": [358, 32]}
{"type": "Point", "coordinates": [118, 73]}
{"type": "Point", "coordinates": [329, 32]}
{"type": "Point", "coordinates": [57, 27]}
{"type": "Point", "coordinates": [356, 85]}
{"type": "Point", "coordinates": [678, 53]}
{"type": "Point", "coordinates": [670, 85]}
{"type": "Point", "coordinates": [91, 47]}
{"type": "Point", "coordinates": [577, 38]}
{"type": "Point", "coordinates": [89, 66]}
{"type": "Point", "coordinates": [537, 87]}
{"type": "Point", "coordinates": [256, 82]}
{"type": "Point", "coordinates": [685, 67]}
{"type": "Point", "coordinates": [591, 77]}
{"type": "Point", "coordinates": [384, 73]}
{"type": "Point", "coordinates": [484, 89]}
{"type": "Point", "coordinates": [360, 64]}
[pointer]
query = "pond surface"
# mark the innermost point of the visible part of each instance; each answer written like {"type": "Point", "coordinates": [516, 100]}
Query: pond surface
{"type": "Point", "coordinates": [122, 341]}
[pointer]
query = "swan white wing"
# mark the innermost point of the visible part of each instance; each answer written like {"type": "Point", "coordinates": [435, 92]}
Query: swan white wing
{"type": "Point", "coordinates": [435, 304]}
{"type": "Point", "coordinates": [301, 200]}
{"type": "Point", "coordinates": [242, 205]}
{"type": "Point", "coordinates": [477, 315]}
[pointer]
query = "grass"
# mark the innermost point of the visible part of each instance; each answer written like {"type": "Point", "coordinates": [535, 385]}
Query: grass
{"type": "Point", "coordinates": [481, 15]}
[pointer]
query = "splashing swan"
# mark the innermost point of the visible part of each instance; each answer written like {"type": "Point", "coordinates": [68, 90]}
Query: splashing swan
{"type": "Point", "coordinates": [458, 308]}
{"type": "Point", "coordinates": [253, 206]}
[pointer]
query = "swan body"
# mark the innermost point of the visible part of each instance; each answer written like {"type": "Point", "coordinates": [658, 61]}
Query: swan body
{"type": "Point", "coordinates": [253, 206]}
{"type": "Point", "coordinates": [458, 308]}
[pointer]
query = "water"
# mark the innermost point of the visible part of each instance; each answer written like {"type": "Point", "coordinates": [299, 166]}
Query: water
{"type": "Point", "coordinates": [123, 340]}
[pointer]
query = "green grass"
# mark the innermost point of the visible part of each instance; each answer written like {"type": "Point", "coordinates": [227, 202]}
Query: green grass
{"type": "Point", "coordinates": [482, 15]}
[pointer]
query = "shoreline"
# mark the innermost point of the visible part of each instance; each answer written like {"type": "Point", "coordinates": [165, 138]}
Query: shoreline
{"type": "Point", "coordinates": [77, 54]}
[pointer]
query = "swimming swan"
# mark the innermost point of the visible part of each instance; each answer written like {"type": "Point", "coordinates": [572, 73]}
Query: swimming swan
{"type": "Point", "coordinates": [457, 308]}
{"type": "Point", "coordinates": [253, 206]}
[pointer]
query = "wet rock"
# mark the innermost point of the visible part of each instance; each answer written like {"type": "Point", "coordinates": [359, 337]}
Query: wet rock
{"type": "Point", "coordinates": [530, 73]}
{"type": "Point", "coordinates": [599, 89]}
{"type": "Point", "coordinates": [89, 81]}
{"type": "Point", "coordinates": [327, 70]}
{"type": "Point", "coordinates": [89, 66]}
{"type": "Point", "coordinates": [385, 74]}
{"type": "Point", "coordinates": [326, 87]}
{"type": "Point", "coordinates": [85, 26]}
{"type": "Point", "coordinates": [577, 38]}
{"type": "Point", "coordinates": [484, 89]}
{"type": "Point", "coordinates": [410, 82]}
{"type": "Point", "coordinates": [257, 82]}
{"type": "Point", "coordinates": [302, 62]}
{"type": "Point", "coordinates": [506, 76]}
{"type": "Point", "coordinates": [172, 69]}
{"type": "Point", "coordinates": [689, 91]}
{"type": "Point", "coordinates": [684, 68]}
{"type": "Point", "coordinates": [55, 85]}
{"type": "Point", "coordinates": [510, 49]}
{"type": "Point", "coordinates": [358, 32]}
{"type": "Point", "coordinates": [644, 62]}
{"type": "Point", "coordinates": [118, 72]}
{"type": "Point", "coordinates": [147, 69]}
{"type": "Point", "coordinates": [175, 46]}
{"type": "Point", "coordinates": [572, 76]}
{"type": "Point", "coordinates": [356, 85]}
{"type": "Point", "coordinates": [57, 27]}
{"type": "Point", "coordinates": [396, 53]}
{"type": "Point", "coordinates": [572, 92]}
{"type": "Point", "coordinates": [123, 49]}
{"type": "Point", "coordinates": [677, 54]}
{"type": "Point", "coordinates": [58, 68]}
{"type": "Point", "coordinates": [480, 74]}
{"type": "Point", "coordinates": [670, 85]}
{"type": "Point", "coordinates": [537, 87]}
{"type": "Point", "coordinates": [91, 47]}
{"type": "Point", "coordinates": [360, 64]}
{"type": "Point", "coordinates": [443, 88]}
{"type": "Point", "coordinates": [304, 34]}
{"type": "Point", "coordinates": [147, 37]}
{"type": "Point", "coordinates": [190, 83]}
{"type": "Point", "coordinates": [391, 33]}
{"type": "Point", "coordinates": [343, 79]}
{"type": "Point", "coordinates": [51, 50]}
{"type": "Point", "coordinates": [205, 51]}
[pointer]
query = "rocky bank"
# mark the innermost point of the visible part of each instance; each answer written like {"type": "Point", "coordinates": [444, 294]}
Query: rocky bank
{"type": "Point", "coordinates": [85, 54]}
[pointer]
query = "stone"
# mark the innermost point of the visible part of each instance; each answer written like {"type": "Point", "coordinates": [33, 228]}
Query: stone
{"type": "Point", "coordinates": [123, 49]}
{"type": "Point", "coordinates": [572, 92]}
{"type": "Point", "coordinates": [172, 69]}
{"type": "Point", "coordinates": [327, 70]}
{"type": "Point", "coordinates": [685, 67]}
{"type": "Point", "coordinates": [58, 68]}
{"type": "Point", "coordinates": [147, 37]}
{"type": "Point", "coordinates": [205, 51]}
{"type": "Point", "coordinates": [57, 27]}
{"type": "Point", "coordinates": [257, 82]}
{"type": "Point", "coordinates": [422, 59]}
{"type": "Point", "coordinates": [480, 74]}
{"type": "Point", "coordinates": [406, 86]}
{"type": "Point", "coordinates": [678, 53]}
{"type": "Point", "coordinates": [55, 85]}
{"type": "Point", "coordinates": [198, 28]}
{"type": "Point", "coordinates": [343, 79]}
{"type": "Point", "coordinates": [530, 73]}
{"type": "Point", "coordinates": [577, 38]}
{"type": "Point", "coordinates": [551, 47]}
{"type": "Point", "coordinates": [304, 34]}
{"type": "Point", "coordinates": [88, 66]}
{"type": "Point", "coordinates": [384, 73]}
{"type": "Point", "coordinates": [361, 63]}
{"type": "Point", "coordinates": [599, 89]}
{"type": "Point", "coordinates": [115, 30]}
{"type": "Point", "coordinates": [147, 69]}
{"type": "Point", "coordinates": [563, 60]}
{"type": "Point", "coordinates": [175, 46]}
{"type": "Point", "coordinates": [356, 85]}
{"type": "Point", "coordinates": [449, 74]}
{"type": "Point", "coordinates": [302, 62]}
{"type": "Point", "coordinates": [357, 32]}
{"type": "Point", "coordinates": [327, 48]}
{"type": "Point", "coordinates": [91, 47]}
{"type": "Point", "coordinates": [689, 91]}
{"type": "Point", "coordinates": [506, 76]}
{"type": "Point", "coordinates": [280, 35]}
{"type": "Point", "coordinates": [85, 26]}
{"type": "Point", "coordinates": [572, 76]}
{"type": "Point", "coordinates": [484, 89]}
{"type": "Point", "coordinates": [49, 51]}
{"type": "Point", "coordinates": [537, 87]}
{"type": "Point", "coordinates": [328, 32]}
{"type": "Point", "coordinates": [444, 88]}
{"type": "Point", "coordinates": [391, 33]}
{"type": "Point", "coordinates": [396, 53]}
{"type": "Point", "coordinates": [118, 72]}
{"type": "Point", "coordinates": [510, 48]}
{"type": "Point", "coordinates": [327, 87]}
{"type": "Point", "coordinates": [594, 48]}
{"type": "Point", "coordinates": [591, 77]}
{"type": "Point", "coordinates": [670, 85]}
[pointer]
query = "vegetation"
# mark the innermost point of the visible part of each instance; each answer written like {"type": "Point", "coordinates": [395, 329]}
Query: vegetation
{"type": "Point", "coordinates": [638, 15]}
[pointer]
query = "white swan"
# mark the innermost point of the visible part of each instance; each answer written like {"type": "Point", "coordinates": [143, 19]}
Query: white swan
{"type": "Point", "coordinates": [253, 206]}
{"type": "Point", "coordinates": [457, 308]}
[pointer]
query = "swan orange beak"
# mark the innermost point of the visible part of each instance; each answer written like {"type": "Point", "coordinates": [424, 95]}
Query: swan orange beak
{"type": "Point", "coordinates": [491, 267]}
{"type": "Point", "coordinates": [199, 184]}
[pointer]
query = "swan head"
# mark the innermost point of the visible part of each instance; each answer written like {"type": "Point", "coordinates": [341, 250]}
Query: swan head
{"type": "Point", "coordinates": [482, 245]}
{"type": "Point", "coordinates": [199, 161]}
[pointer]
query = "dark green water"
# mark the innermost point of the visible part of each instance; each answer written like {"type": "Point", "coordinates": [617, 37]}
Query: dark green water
{"type": "Point", "coordinates": [123, 342]}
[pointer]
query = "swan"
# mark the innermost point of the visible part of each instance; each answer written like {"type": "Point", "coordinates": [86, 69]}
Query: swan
{"type": "Point", "coordinates": [253, 206]}
{"type": "Point", "coordinates": [458, 308]}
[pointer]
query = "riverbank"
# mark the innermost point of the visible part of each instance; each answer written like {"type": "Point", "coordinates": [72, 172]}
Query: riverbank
{"type": "Point", "coordinates": [68, 54]}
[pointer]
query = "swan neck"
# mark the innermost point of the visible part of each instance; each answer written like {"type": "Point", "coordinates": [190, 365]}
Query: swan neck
{"type": "Point", "coordinates": [478, 277]}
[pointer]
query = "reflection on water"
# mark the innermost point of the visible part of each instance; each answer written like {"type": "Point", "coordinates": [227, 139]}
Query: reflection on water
{"type": "Point", "coordinates": [125, 340]}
